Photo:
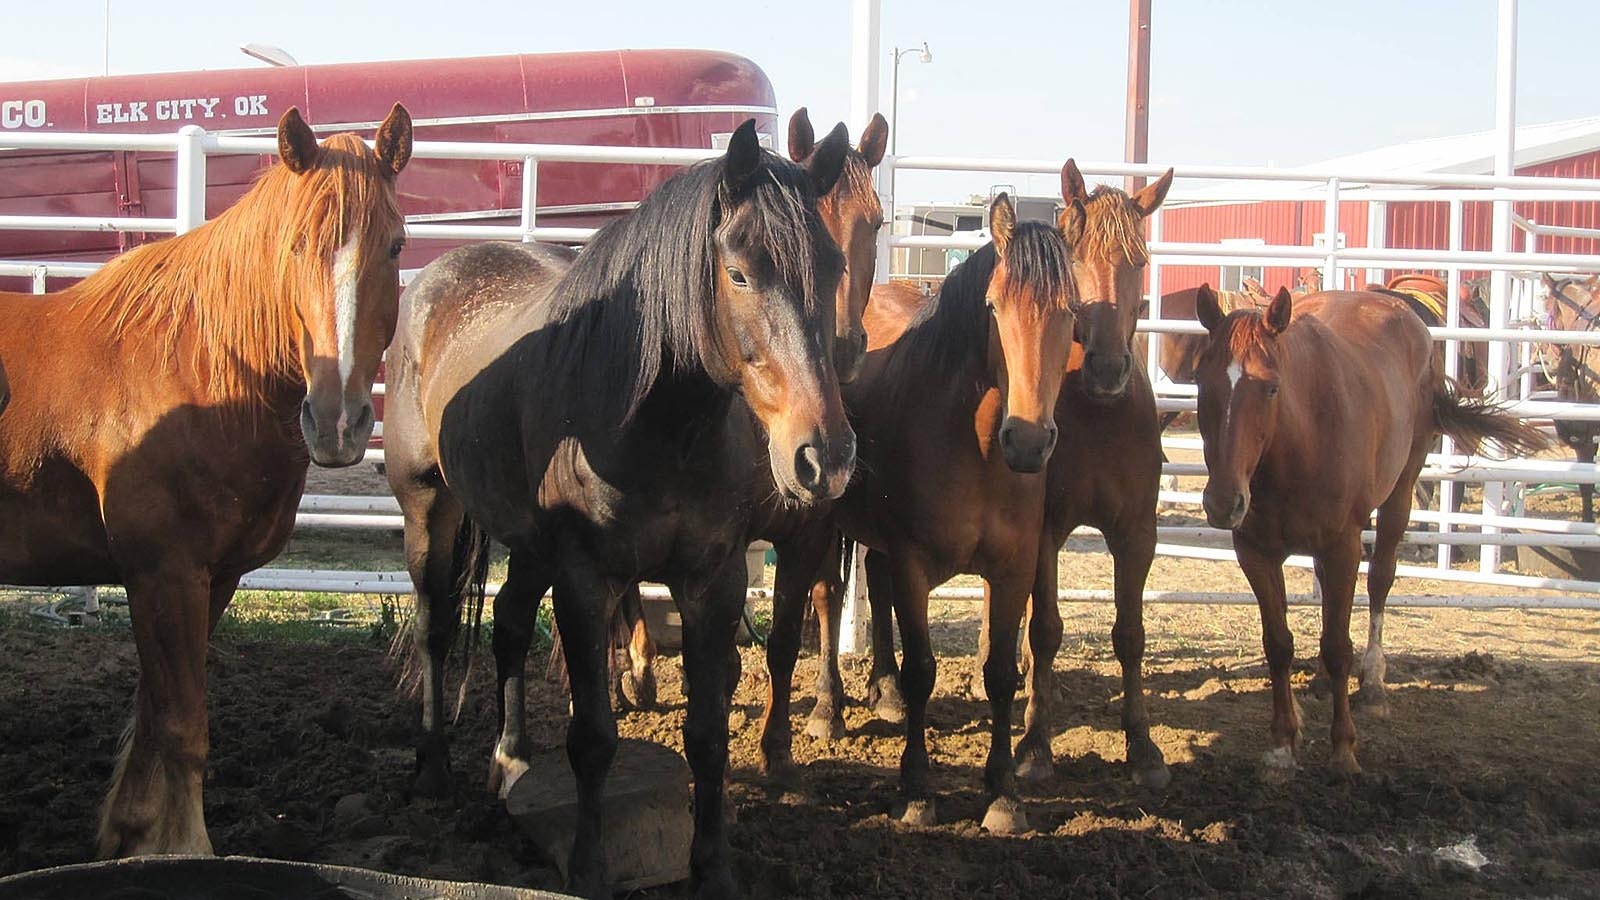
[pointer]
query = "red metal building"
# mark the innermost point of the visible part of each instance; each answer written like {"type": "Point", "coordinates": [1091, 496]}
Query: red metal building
{"type": "Point", "coordinates": [1568, 149]}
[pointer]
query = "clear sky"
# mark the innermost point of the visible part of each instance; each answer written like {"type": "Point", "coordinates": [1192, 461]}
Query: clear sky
{"type": "Point", "coordinates": [1284, 82]}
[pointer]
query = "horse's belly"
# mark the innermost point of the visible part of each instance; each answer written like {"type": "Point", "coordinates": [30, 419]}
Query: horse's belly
{"type": "Point", "coordinates": [52, 532]}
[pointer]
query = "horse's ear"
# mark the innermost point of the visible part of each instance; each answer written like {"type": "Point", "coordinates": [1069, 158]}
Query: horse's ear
{"type": "Point", "coordinates": [743, 159]}
{"type": "Point", "coordinates": [1206, 307]}
{"type": "Point", "coordinates": [1279, 311]}
{"type": "Point", "coordinates": [394, 139]}
{"type": "Point", "coordinates": [297, 143]}
{"type": "Point", "coordinates": [875, 140]}
{"type": "Point", "coordinates": [1071, 222]}
{"type": "Point", "coordinates": [1151, 195]}
{"type": "Point", "coordinates": [1072, 184]}
{"type": "Point", "coordinates": [827, 161]}
{"type": "Point", "coordinates": [1002, 221]}
{"type": "Point", "coordinates": [802, 140]}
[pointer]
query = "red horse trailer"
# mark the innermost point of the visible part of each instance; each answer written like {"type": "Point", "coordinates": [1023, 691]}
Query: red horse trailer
{"type": "Point", "coordinates": [633, 98]}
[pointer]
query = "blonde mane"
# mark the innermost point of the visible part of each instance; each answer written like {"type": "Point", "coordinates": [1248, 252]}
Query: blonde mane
{"type": "Point", "coordinates": [1112, 225]}
{"type": "Point", "coordinates": [221, 298]}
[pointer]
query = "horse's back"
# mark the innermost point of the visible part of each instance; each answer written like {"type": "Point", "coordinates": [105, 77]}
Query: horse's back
{"type": "Point", "coordinates": [893, 307]}
{"type": "Point", "coordinates": [1369, 322]}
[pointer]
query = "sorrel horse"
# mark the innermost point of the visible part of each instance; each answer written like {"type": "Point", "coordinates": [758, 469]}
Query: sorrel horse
{"type": "Point", "coordinates": [218, 359]}
{"type": "Point", "coordinates": [853, 215]}
{"type": "Point", "coordinates": [1106, 472]}
{"type": "Point", "coordinates": [604, 416]}
{"type": "Point", "coordinates": [1573, 304]}
{"type": "Point", "coordinates": [1313, 414]}
{"type": "Point", "coordinates": [957, 422]}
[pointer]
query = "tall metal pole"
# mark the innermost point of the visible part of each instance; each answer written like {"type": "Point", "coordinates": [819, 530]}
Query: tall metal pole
{"type": "Point", "coordinates": [1136, 147]}
{"type": "Point", "coordinates": [106, 58]}
{"type": "Point", "coordinates": [894, 104]}
{"type": "Point", "coordinates": [1505, 126]}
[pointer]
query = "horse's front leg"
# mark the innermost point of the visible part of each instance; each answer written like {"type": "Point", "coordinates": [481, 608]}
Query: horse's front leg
{"type": "Point", "coordinates": [1004, 602]}
{"type": "Point", "coordinates": [799, 560]}
{"type": "Point", "coordinates": [1264, 571]}
{"type": "Point", "coordinates": [710, 609]}
{"type": "Point", "coordinates": [154, 805]}
{"type": "Point", "coordinates": [1133, 549]}
{"type": "Point", "coordinates": [1340, 563]}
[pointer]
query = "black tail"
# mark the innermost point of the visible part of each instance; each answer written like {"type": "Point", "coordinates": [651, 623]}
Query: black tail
{"type": "Point", "coordinates": [469, 568]}
{"type": "Point", "coordinates": [1471, 423]}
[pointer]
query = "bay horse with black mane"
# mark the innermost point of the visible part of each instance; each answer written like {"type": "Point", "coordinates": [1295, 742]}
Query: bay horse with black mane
{"type": "Point", "coordinates": [1313, 413]}
{"type": "Point", "coordinates": [218, 358]}
{"type": "Point", "coordinates": [605, 415]}
{"type": "Point", "coordinates": [957, 421]}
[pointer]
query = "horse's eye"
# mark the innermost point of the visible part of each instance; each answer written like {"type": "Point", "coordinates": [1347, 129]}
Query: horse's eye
{"type": "Point", "coordinates": [737, 277]}
{"type": "Point", "coordinates": [395, 248]}
{"type": "Point", "coordinates": [1272, 390]}
{"type": "Point", "coordinates": [988, 304]}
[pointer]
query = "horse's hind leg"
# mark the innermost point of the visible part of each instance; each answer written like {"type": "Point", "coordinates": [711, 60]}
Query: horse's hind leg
{"type": "Point", "coordinates": [516, 609]}
{"type": "Point", "coordinates": [433, 519]}
{"type": "Point", "coordinates": [1393, 516]}
{"type": "Point", "coordinates": [636, 682]}
{"type": "Point", "coordinates": [826, 722]}
{"type": "Point", "coordinates": [1584, 449]}
{"type": "Point", "coordinates": [711, 612]}
{"type": "Point", "coordinates": [584, 603]}
{"type": "Point", "coordinates": [883, 685]}
{"type": "Point", "coordinates": [154, 805]}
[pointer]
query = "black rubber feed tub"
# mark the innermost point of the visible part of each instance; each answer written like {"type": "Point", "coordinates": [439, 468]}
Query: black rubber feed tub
{"type": "Point", "coordinates": [240, 878]}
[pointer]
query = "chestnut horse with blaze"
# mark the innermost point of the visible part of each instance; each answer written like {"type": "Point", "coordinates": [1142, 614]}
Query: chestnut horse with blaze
{"type": "Point", "coordinates": [1313, 413]}
{"type": "Point", "coordinates": [217, 358]}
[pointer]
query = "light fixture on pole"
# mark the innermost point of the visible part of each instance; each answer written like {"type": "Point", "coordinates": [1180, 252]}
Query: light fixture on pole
{"type": "Point", "coordinates": [269, 54]}
{"type": "Point", "coordinates": [926, 56]}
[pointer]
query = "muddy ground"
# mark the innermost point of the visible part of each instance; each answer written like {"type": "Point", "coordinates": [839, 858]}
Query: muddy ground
{"type": "Point", "coordinates": [1492, 741]}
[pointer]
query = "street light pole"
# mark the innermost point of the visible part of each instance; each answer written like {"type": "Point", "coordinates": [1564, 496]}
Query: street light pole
{"type": "Point", "coordinates": [894, 92]}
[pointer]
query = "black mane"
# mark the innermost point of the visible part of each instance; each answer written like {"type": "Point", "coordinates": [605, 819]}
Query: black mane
{"type": "Point", "coordinates": [640, 298]}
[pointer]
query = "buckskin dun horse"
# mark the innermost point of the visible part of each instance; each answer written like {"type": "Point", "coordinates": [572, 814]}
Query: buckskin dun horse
{"type": "Point", "coordinates": [602, 415]}
{"type": "Point", "coordinates": [217, 359]}
{"type": "Point", "coordinates": [1314, 413]}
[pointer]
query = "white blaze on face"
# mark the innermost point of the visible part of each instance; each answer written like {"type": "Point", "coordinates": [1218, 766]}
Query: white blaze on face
{"type": "Point", "coordinates": [1235, 372]}
{"type": "Point", "coordinates": [346, 278]}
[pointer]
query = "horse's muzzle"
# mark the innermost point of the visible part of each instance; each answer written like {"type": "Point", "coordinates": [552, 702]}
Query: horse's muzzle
{"type": "Point", "coordinates": [821, 469]}
{"type": "Point", "coordinates": [1225, 509]}
{"type": "Point", "coordinates": [1026, 445]}
{"type": "Point", "coordinates": [338, 443]}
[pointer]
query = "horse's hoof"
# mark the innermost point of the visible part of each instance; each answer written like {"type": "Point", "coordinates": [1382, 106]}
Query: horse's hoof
{"type": "Point", "coordinates": [432, 781]}
{"type": "Point", "coordinates": [638, 692]}
{"type": "Point", "coordinates": [826, 727]}
{"type": "Point", "coordinates": [1155, 778]}
{"type": "Point", "coordinates": [1344, 762]}
{"type": "Point", "coordinates": [777, 764]}
{"type": "Point", "coordinates": [883, 696]}
{"type": "Point", "coordinates": [503, 773]}
{"type": "Point", "coordinates": [718, 884]}
{"type": "Point", "coordinates": [1372, 702]}
{"type": "Point", "coordinates": [920, 812]}
{"type": "Point", "coordinates": [1035, 766]}
{"type": "Point", "coordinates": [1278, 764]}
{"type": "Point", "coordinates": [1005, 816]}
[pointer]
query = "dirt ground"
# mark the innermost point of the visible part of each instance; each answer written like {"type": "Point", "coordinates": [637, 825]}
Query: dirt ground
{"type": "Point", "coordinates": [1492, 747]}
{"type": "Point", "coordinates": [1491, 744]}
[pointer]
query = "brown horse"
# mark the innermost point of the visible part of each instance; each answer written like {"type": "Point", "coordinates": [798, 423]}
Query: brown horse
{"type": "Point", "coordinates": [217, 359]}
{"type": "Point", "coordinates": [957, 422]}
{"type": "Point", "coordinates": [1573, 304]}
{"type": "Point", "coordinates": [1107, 469]}
{"type": "Point", "coordinates": [605, 416]}
{"type": "Point", "coordinates": [1313, 414]}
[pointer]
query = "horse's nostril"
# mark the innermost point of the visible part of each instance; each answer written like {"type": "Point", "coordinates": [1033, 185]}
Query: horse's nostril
{"type": "Point", "coordinates": [363, 418]}
{"type": "Point", "coordinates": [808, 467]}
{"type": "Point", "coordinates": [1053, 433]}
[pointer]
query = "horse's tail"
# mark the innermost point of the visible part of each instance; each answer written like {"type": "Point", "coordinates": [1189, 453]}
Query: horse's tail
{"type": "Point", "coordinates": [1471, 423]}
{"type": "Point", "coordinates": [469, 571]}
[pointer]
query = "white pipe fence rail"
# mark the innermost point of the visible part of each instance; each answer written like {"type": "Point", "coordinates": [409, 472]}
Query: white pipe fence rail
{"type": "Point", "coordinates": [1495, 526]}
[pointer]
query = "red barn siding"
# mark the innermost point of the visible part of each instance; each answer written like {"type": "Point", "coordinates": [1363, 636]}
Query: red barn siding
{"type": "Point", "coordinates": [1412, 225]}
